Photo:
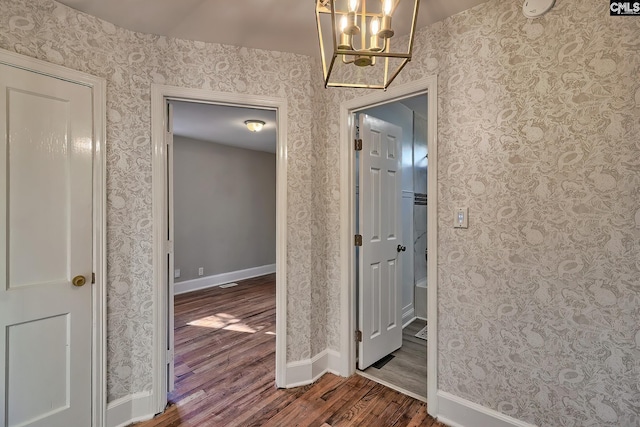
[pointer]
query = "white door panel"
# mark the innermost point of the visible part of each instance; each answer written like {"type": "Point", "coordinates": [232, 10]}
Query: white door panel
{"type": "Point", "coordinates": [380, 314]}
{"type": "Point", "coordinates": [46, 151]}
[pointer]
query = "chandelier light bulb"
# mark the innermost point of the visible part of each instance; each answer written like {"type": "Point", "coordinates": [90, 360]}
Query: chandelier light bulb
{"type": "Point", "coordinates": [343, 23]}
{"type": "Point", "coordinates": [387, 7]}
{"type": "Point", "coordinates": [374, 42]}
{"type": "Point", "coordinates": [345, 39]}
{"type": "Point", "coordinates": [351, 27]}
{"type": "Point", "coordinates": [375, 26]}
{"type": "Point", "coordinates": [386, 31]}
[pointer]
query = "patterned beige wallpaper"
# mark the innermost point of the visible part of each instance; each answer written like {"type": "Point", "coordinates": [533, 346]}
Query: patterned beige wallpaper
{"type": "Point", "coordinates": [130, 62]}
{"type": "Point", "coordinates": [539, 134]}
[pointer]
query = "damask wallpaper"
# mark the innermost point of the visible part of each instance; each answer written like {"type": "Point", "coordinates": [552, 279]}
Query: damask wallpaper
{"type": "Point", "coordinates": [539, 134]}
{"type": "Point", "coordinates": [130, 62]}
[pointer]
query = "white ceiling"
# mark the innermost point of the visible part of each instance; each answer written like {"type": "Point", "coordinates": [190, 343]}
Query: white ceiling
{"type": "Point", "coordinates": [224, 125]}
{"type": "Point", "coordinates": [281, 25]}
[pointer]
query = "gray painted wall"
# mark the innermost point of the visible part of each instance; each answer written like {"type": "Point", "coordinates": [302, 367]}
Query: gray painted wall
{"type": "Point", "coordinates": [224, 207]}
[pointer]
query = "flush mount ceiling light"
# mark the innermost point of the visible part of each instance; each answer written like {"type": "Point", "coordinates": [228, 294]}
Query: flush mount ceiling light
{"type": "Point", "coordinates": [365, 43]}
{"type": "Point", "coordinates": [254, 125]}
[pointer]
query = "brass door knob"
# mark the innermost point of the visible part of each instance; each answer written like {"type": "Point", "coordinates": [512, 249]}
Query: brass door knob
{"type": "Point", "coordinates": [79, 281]}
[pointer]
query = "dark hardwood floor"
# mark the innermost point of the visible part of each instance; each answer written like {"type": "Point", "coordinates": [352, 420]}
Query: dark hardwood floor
{"type": "Point", "coordinates": [225, 367]}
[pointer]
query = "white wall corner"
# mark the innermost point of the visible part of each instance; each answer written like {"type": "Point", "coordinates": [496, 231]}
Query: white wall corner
{"type": "Point", "coordinates": [308, 371]}
{"type": "Point", "coordinates": [408, 315]}
{"type": "Point", "coordinates": [221, 279]}
{"type": "Point", "coordinates": [130, 409]}
{"type": "Point", "coordinates": [455, 411]}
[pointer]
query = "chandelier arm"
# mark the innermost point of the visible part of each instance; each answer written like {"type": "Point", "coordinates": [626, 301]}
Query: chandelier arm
{"type": "Point", "coordinates": [347, 62]}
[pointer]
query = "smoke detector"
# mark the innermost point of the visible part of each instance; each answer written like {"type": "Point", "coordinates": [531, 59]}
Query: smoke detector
{"type": "Point", "coordinates": [537, 8]}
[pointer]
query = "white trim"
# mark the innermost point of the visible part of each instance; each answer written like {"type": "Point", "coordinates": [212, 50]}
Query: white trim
{"type": "Point", "coordinates": [308, 371]}
{"type": "Point", "coordinates": [347, 225]}
{"type": "Point", "coordinates": [408, 261]}
{"type": "Point", "coordinates": [422, 283]}
{"type": "Point", "coordinates": [221, 279]}
{"type": "Point", "coordinates": [159, 95]}
{"type": "Point", "coordinates": [98, 92]}
{"type": "Point", "coordinates": [100, 253]}
{"type": "Point", "coordinates": [392, 386]}
{"type": "Point", "coordinates": [455, 411]}
{"type": "Point", "coordinates": [432, 247]}
{"type": "Point", "coordinates": [130, 409]}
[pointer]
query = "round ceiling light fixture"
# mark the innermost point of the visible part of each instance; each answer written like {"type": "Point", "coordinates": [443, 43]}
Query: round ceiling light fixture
{"type": "Point", "coordinates": [254, 125]}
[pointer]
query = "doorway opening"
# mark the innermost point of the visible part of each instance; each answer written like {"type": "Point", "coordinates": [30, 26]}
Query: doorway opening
{"type": "Point", "coordinates": [351, 315]}
{"type": "Point", "coordinates": [400, 360]}
{"type": "Point", "coordinates": [222, 221]}
{"type": "Point", "coordinates": [219, 211]}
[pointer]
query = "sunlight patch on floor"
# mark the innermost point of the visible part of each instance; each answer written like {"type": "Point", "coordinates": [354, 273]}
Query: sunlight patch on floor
{"type": "Point", "coordinates": [223, 321]}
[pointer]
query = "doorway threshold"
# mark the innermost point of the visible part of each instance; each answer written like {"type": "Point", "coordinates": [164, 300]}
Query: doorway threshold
{"type": "Point", "coordinates": [392, 386]}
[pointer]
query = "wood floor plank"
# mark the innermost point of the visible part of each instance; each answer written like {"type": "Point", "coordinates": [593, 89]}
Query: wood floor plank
{"type": "Point", "coordinates": [225, 372]}
{"type": "Point", "coordinates": [408, 369]}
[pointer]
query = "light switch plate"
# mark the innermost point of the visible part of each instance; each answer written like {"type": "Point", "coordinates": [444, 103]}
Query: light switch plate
{"type": "Point", "coordinates": [461, 218]}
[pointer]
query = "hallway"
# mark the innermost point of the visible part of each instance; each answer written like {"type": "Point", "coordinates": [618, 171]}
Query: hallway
{"type": "Point", "coordinates": [225, 365]}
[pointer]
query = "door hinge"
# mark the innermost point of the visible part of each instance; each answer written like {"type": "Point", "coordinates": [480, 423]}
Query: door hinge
{"type": "Point", "coordinates": [358, 336]}
{"type": "Point", "coordinates": [93, 278]}
{"type": "Point", "coordinates": [358, 241]}
{"type": "Point", "coordinates": [358, 144]}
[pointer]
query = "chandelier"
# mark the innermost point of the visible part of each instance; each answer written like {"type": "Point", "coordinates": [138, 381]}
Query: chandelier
{"type": "Point", "coordinates": [365, 44]}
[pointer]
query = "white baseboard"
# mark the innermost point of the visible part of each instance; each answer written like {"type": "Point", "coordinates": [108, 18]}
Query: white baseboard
{"type": "Point", "coordinates": [408, 317]}
{"type": "Point", "coordinates": [307, 371]}
{"type": "Point", "coordinates": [130, 409]}
{"type": "Point", "coordinates": [455, 411]}
{"type": "Point", "coordinates": [221, 279]}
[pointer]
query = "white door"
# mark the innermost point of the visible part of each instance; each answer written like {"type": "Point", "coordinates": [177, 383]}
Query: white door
{"type": "Point", "coordinates": [380, 313]}
{"type": "Point", "coordinates": [46, 151]}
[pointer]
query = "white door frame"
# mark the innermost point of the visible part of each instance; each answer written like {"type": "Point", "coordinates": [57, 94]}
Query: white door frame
{"type": "Point", "coordinates": [348, 284]}
{"type": "Point", "coordinates": [98, 93]}
{"type": "Point", "coordinates": [159, 95]}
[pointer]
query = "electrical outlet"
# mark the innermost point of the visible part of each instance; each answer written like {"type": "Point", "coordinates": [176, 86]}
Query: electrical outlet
{"type": "Point", "coordinates": [176, 273]}
{"type": "Point", "coordinates": [201, 271]}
